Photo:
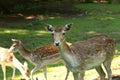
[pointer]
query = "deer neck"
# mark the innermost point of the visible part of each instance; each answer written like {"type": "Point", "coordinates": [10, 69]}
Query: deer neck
{"type": "Point", "coordinates": [24, 51]}
{"type": "Point", "coordinates": [19, 66]}
{"type": "Point", "coordinates": [65, 52]}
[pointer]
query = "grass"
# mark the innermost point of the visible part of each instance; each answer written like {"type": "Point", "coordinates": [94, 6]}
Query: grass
{"type": "Point", "coordinates": [98, 19]}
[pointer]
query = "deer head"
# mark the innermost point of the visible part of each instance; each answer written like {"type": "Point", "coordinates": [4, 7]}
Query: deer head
{"type": "Point", "coordinates": [58, 33]}
{"type": "Point", "coordinates": [15, 46]}
{"type": "Point", "coordinates": [25, 72]}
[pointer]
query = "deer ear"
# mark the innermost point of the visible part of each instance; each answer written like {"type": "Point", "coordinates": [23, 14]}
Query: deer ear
{"type": "Point", "coordinates": [25, 64]}
{"type": "Point", "coordinates": [67, 27]}
{"type": "Point", "coordinates": [49, 27]}
{"type": "Point", "coordinates": [13, 40]}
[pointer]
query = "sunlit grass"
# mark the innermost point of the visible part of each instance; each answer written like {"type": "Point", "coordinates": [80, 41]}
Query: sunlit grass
{"type": "Point", "coordinates": [22, 32]}
{"type": "Point", "coordinates": [8, 31]}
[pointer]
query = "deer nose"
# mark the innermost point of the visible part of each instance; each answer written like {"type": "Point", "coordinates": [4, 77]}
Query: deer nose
{"type": "Point", "coordinates": [57, 43]}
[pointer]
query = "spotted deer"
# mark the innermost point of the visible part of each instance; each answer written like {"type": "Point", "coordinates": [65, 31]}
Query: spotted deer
{"type": "Point", "coordinates": [41, 56]}
{"type": "Point", "coordinates": [7, 59]}
{"type": "Point", "coordinates": [86, 54]}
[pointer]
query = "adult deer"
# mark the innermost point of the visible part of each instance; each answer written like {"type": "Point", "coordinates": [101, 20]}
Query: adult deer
{"type": "Point", "coordinates": [41, 56]}
{"type": "Point", "coordinates": [7, 59]}
{"type": "Point", "coordinates": [86, 54]}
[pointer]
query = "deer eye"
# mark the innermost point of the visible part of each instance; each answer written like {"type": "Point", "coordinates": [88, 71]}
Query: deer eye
{"type": "Point", "coordinates": [63, 33]}
{"type": "Point", "coordinates": [52, 34]}
{"type": "Point", "coordinates": [27, 71]}
{"type": "Point", "coordinates": [14, 45]}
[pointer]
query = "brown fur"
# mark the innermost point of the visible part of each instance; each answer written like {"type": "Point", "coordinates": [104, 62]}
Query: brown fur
{"type": "Point", "coordinates": [88, 47]}
{"type": "Point", "coordinates": [41, 56]}
{"type": "Point", "coordinates": [58, 29]}
{"type": "Point", "coordinates": [46, 51]}
{"type": "Point", "coordinates": [86, 54]}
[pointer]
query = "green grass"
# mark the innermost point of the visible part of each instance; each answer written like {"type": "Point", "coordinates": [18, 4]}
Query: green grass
{"type": "Point", "coordinates": [99, 19]}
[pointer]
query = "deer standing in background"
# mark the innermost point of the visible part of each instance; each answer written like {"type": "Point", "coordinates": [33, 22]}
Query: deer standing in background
{"type": "Point", "coordinates": [41, 56]}
{"type": "Point", "coordinates": [7, 59]}
{"type": "Point", "coordinates": [86, 54]}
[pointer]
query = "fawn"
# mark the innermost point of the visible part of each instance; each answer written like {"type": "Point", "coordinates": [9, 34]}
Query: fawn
{"type": "Point", "coordinates": [7, 59]}
{"type": "Point", "coordinates": [41, 56]}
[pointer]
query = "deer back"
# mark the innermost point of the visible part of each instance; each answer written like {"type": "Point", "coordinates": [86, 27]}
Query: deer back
{"type": "Point", "coordinates": [5, 56]}
{"type": "Point", "coordinates": [94, 46]}
{"type": "Point", "coordinates": [46, 51]}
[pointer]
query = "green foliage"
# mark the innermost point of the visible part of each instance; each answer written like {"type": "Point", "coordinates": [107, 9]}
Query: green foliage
{"type": "Point", "coordinates": [110, 1]}
{"type": "Point", "coordinates": [45, 7]}
{"type": "Point", "coordinates": [19, 8]}
{"type": "Point", "coordinates": [1, 14]}
{"type": "Point", "coordinates": [29, 25]}
{"type": "Point", "coordinates": [89, 1]}
{"type": "Point", "coordinates": [27, 6]}
{"type": "Point", "coordinates": [37, 21]}
{"type": "Point", "coordinates": [33, 5]}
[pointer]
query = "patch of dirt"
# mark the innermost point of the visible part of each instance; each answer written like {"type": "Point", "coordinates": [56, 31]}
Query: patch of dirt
{"type": "Point", "coordinates": [10, 20]}
{"type": "Point", "coordinates": [16, 18]}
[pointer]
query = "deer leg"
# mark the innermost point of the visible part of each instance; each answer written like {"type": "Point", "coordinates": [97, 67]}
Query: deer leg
{"type": "Point", "coordinates": [34, 70]}
{"type": "Point", "coordinates": [100, 72]}
{"type": "Point", "coordinates": [4, 71]}
{"type": "Point", "coordinates": [67, 74]}
{"type": "Point", "coordinates": [75, 75]}
{"type": "Point", "coordinates": [13, 73]}
{"type": "Point", "coordinates": [45, 72]}
{"type": "Point", "coordinates": [82, 74]}
{"type": "Point", "coordinates": [107, 65]}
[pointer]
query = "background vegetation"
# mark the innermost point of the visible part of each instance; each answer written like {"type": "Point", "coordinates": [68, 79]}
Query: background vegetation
{"type": "Point", "coordinates": [44, 6]}
{"type": "Point", "coordinates": [88, 20]}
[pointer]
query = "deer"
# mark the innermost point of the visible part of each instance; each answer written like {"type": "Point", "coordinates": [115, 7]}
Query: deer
{"type": "Point", "coordinates": [7, 59]}
{"type": "Point", "coordinates": [40, 57]}
{"type": "Point", "coordinates": [85, 54]}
